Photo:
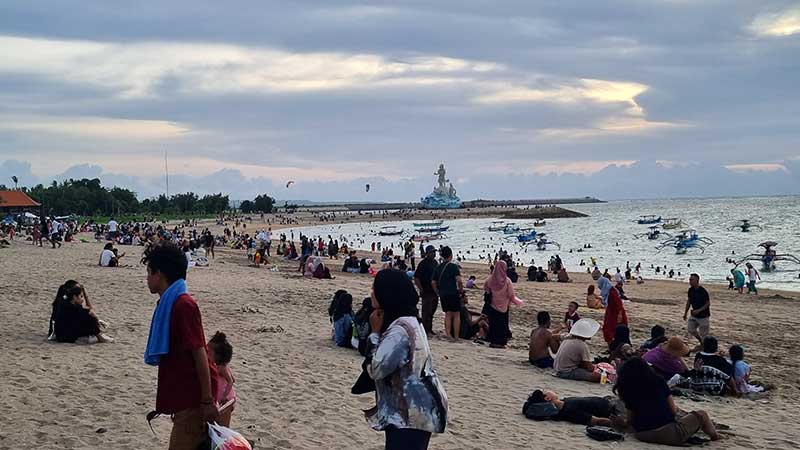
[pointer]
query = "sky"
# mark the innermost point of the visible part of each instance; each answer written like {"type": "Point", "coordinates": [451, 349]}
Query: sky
{"type": "Point", "coordinates": [519, 99]}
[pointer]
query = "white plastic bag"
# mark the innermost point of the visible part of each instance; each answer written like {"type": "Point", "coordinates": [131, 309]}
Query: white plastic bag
{"type": "Point", "coordinates": [223, 438]}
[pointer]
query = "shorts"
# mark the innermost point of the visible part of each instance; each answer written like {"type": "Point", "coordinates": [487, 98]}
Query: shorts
{"type": "Point", "coordinates": [451, 303]}
{"type": "Point", "coordinates": [675, 433]}
{"type": "Point", "coordinates": [188, 430]}
{"type": "Point", "coordinates": [542, 363]}
{"type": "Point", "coordinates": [578, 374]}
{"type": "Point", "coordinates": [698, 326]}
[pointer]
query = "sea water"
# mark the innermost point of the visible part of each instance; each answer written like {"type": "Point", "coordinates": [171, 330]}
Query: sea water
{"type": "Point", "coordinates": [610, 229]}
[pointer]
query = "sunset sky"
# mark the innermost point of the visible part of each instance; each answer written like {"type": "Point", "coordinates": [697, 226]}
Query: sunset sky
{"type": "Point", "coordinates": [519, 99]}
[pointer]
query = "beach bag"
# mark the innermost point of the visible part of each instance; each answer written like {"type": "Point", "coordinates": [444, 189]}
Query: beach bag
{"type": "Point", "coordinates": [223, 438]}
{"type": "Point", "coordinates": [604, 434]}
{"type": "Point", "coordinates": [540, 411]}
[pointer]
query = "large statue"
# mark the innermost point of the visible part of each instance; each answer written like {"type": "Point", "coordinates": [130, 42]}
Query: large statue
{"type": "Point", "coordinates": [443, 196]}
{"type": "Point", "coordinates": [442, 187]}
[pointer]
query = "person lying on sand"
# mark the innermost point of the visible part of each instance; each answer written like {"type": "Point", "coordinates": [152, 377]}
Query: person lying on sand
{"type": "Point", "coordinates": [543, 343]}
{"type": "Point", "coordinates": [595, 411]}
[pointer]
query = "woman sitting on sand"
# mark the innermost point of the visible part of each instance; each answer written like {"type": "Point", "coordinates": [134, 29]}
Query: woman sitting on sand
{"type": "Point", "coordinates": [563, 276]}
{"type": "Point", "coordinates": [593, 300]}
{"type": "Point", "coordinates": [73, 318]}
{"type": "Point", "coordinates": [651, 408]}
{"type": "Point", "coordinates": [411, 402]}
{"type": "Point", "coordinates": [667, 358]}
{"type": "Point", "coordinates": [501, 290]}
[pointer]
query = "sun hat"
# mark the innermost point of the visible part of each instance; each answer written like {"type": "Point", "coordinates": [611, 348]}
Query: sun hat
{"type": "Point", "coordinates": [675, 347]}
{"type": "Point", "coordinates": [584, 328]}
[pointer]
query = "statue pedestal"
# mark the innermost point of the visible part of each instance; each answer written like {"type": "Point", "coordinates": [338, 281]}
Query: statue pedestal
{"type": "Point", "coordinates": [437, 200]}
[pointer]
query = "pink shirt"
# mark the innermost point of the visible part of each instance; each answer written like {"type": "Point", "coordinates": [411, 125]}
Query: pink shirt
{"type": "Point", "coordinates": [222, 385]}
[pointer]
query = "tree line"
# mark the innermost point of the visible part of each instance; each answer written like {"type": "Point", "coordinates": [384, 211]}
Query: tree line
{"type": "Point", "coordinates": [87, 197]}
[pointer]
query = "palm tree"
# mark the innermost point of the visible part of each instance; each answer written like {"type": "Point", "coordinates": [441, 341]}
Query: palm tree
{"type": "Point", "coordinates": [14, 178]}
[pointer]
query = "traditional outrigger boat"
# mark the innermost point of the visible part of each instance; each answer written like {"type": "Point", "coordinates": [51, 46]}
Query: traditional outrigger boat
{"type": "Point", "coordinates": [672, 223]}
{"type": "Point", "coordinates": [497, 225]}
{"type": "Point", "coordinates": [527, 237]}
{"type": "Point", "coordinates": [769, 257]}
{"type": "Point", "coordinates": [512, 229]}
{"type": "Point", "coordinates": [428, 237]}
{"type": "Point", "coordinates": [543, 242]}
{"type": "Point", "coordinates": [653, 234]}
{"type": "Point", "coordinates": [430, 224]}
{"type": "Point", "coordinates": [745, 226]}
{"type": "Point", "coordinates": [686, 240]}
{"type": "Point", "coordinates": [438, 229]}
{"type": "Point", "coordinates": [648, 219]}
{"type": "Point", "coordinates": [390, 230]}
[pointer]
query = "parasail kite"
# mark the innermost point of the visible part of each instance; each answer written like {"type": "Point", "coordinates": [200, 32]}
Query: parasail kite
{"type": "Point", "coordinates": [289, 183]}
{"type": "Point", "coordinates": [367, 187]}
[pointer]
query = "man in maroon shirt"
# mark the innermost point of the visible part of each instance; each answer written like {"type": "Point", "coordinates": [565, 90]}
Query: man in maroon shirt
{"type": "Point", "coordinates": [186, 375]}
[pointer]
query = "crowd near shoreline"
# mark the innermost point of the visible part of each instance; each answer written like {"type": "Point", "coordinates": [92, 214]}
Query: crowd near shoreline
{"type": "Point", "coordinates": [657, 344]}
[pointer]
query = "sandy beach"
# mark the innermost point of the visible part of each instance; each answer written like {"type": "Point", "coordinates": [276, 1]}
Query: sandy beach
{"type": "Point", "coordinates": [293, 384]}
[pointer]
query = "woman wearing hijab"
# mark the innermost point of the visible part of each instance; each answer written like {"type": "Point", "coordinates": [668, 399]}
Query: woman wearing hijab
{"type": "Point", "coordinates": [615, 311]}
{"type": "Point", "coordinates": [501, 289]}
{"type": "Point", "coordinates": [411, 403]}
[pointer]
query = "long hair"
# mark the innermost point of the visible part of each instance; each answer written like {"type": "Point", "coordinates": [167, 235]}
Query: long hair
{"type": "Point", "coordinates": [396, 295]}
{"type": "Point", "coordinates": [636, 381]}
{"type": "Point", "coordinates": [61, 296]}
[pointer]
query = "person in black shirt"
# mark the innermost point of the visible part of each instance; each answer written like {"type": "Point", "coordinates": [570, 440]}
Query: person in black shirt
{"type": "Point", "coordinates": [651, 409]}
{"type": "Point", "coordinates": [422, 279]}
{"type": "Point", "coordinates": [710, 357]}
{"type": "Point", "coordinates": [580, 410]}
{"type": "Point", "coordinates": [698, 301]}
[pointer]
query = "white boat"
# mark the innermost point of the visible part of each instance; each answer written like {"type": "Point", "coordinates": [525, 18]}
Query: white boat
{"type": "Point", "coordinates": [431, 224]}
{"type": "Point", "coordinates": [390, 230]}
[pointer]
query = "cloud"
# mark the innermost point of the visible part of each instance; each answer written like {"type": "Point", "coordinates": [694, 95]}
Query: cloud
{"type": "Point", "coordinates": [94, 127]}
{"type": "Point", "coordinates": [777, 24]}
{"type": "Point", "coordinates": [605, 179]}
{"type": "Point", "coordinates": [333, 92]}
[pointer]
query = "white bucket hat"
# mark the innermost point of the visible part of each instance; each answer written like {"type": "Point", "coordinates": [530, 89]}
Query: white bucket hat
{"type": "Point", "coordinates": [584, 328]}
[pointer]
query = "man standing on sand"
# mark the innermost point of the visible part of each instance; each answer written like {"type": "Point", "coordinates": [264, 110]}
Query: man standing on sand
{"type": "Point", "coordinates": [449, 285]}
{"type": "Point", "coordinates": [422, 279]}
{"type": "Point", "coordinates": [177, 345]}
{"type": "Point", "coordinates": [699, 302]}
{"type": "Point", "coordinates": [112, 229]}
{"type": "Point", "coordinates": [752, 277]}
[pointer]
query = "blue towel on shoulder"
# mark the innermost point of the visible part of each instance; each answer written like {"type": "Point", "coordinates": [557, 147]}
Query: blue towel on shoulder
{"type": "Point", "coordinates": [158, 339]}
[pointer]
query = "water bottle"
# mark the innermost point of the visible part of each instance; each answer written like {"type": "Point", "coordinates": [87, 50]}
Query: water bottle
{"type": "Point", "coordinates": [603, 376]}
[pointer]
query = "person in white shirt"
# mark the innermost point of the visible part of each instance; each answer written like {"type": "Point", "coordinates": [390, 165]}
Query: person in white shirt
{"type": "Point", "coordinates": [112, 228]}
{"type": "Point", "coordinates": [752, 277]}
{"type": "Point", "coordinates": [618, 278]}
{"type": "Point", "coordinates": [109, 257]}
